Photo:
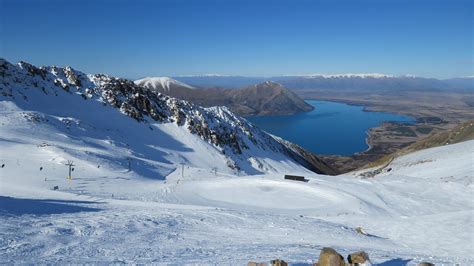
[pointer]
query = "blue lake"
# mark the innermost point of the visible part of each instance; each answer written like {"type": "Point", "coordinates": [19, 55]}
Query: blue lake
{"type": "Point", "coordinates": [331, 128]}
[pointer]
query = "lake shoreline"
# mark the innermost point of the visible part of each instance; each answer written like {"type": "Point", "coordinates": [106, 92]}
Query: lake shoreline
{"type": "Point", "coordinates": [333, 127]}
{"type": "Point", "coordinates": [388, 137]}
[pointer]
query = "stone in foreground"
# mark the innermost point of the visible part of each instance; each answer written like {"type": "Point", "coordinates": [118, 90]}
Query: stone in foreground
{"type": "Point", "coordinates": [279, 262]}
{"type": "Point", "coordinates": [330, 257]}
{"type": "Point", "coordinates": [358, 258]}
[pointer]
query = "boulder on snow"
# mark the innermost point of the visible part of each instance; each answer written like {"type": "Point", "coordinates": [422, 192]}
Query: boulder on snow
{"type": "Point", "coordinates": [330, 257]}
{"type": "Point", "coordinates": [279, 262]}
{"type": "Point", "coordinates": [361, 231]}
{"type": "Point", "coordinates": [358, 258]}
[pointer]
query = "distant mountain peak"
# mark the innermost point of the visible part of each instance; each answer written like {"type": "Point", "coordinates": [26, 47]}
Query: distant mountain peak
{"type": "Point", "coordinates": [162, 84]}
{"type": "Point", "coordinates": [271, 98]}
{"type": "Point", "coordinates": [269, 83]}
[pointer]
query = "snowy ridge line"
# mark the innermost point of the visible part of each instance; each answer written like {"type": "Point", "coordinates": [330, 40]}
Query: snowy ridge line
{"type": "Point", "coordinates": [163, 82]}
{"type": "Point", "coordinates": [236, 138]}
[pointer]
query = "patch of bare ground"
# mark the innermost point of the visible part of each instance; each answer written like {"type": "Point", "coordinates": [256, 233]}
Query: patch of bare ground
{"type": "Point", "coordinates": [460, 133]}
{"type": "Point", "coordinates": [437, 113]}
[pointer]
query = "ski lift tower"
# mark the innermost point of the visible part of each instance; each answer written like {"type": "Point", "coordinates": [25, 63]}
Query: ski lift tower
{"type": "Point", "coordinates": [70, 164]}
{"type": "Point", "coordinates": [182, 169]}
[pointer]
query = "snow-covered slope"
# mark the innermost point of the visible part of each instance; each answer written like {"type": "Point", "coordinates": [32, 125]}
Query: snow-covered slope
{"type": "Point", "coordinates": [131, 201]}
{"type": "Point", "coordinates": [421, 210]}
{"type": "Point", "coordinates": [131, 122]}
{"type": "Point", "coordinates": [161, 84]}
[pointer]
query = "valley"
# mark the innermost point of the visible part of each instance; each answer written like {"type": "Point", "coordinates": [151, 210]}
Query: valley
{"type": "Point", "coordinates": [257, 133]}
{"type": "Point", "coordinates": [434, 112]}
{"type": "Point", "coordinates": [159, 180]}
{"type": "Point", "coordinates": [113, 215]}
{"type": "Point", "coordinates": [436, 106]}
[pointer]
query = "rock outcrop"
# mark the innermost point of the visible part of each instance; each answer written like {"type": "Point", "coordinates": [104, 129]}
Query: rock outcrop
{"type": "Point", "coordinates": [358, 258]}
{"type": "Point", "coordinates": [279, 262]}
{"type": "Point", "coordinates": [330, 257]}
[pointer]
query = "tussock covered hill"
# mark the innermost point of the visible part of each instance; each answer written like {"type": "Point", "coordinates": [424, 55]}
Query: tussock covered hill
{"type": "Point", "coordinates": [267, 98]}
{"type": "Point", "coordinates": [462, 132]}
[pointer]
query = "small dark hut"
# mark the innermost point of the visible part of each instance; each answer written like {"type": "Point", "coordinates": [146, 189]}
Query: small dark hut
{"type": "Point", "coordinates": [296, 178]}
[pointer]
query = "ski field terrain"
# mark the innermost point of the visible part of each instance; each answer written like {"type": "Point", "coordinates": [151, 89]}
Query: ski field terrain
{"type": "Point", "coordinates": [160, 180]}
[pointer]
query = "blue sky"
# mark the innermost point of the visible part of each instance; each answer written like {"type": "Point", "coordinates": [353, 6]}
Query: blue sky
{"type": "Point", "coordinates": [148, 38]}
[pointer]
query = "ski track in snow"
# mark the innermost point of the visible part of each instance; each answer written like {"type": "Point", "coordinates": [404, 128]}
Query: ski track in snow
{"type": "Point", "coordinates": [209, 219]}
{"type": "Point", "coordinates": [204, 212]}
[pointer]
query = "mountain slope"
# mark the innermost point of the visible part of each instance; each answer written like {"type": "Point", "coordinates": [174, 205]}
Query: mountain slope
{"type": "Point", "coordinates": [98, 109]}
{"type": "Point", "coordinates": [149, 185]}
{"type": "Point", "coordinates": [109, 215]}
{"type": "Point", "coordinates": [267, 98]}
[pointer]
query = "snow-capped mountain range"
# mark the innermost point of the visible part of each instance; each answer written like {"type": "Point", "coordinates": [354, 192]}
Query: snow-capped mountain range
{"type": "Point", "coordinates": [345, 75]}
{"type": "Point", "coordinates": [365, 81]}
{"type": "Point", "coordinates": [77, 105]}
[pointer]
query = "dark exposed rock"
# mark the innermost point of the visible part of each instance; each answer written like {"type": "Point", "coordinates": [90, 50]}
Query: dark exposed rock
{"type": "Point", "coordinates": [33, 70]}
{"type": "Point", "coordinates": [279, 262]}
{"type": "Point", "coordinates": [359, 257]}
{"type": "Point", "coordinates": [218, 126]}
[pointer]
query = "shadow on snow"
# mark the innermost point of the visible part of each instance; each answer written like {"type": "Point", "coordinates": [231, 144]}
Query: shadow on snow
{"type": "Point", "coordinates": [394, 262]}
{"type": "Point", "coordinates": [16, 206]}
